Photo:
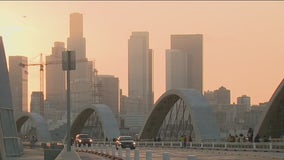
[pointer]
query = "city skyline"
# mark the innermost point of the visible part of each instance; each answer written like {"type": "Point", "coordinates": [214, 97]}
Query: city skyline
{"type": "Point", "coordinates": [242, 40]}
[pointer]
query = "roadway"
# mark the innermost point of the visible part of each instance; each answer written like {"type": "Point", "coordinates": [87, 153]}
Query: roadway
{"type": "Point", "coordinates": [200, 154]}
{"type": "Point", "coordinates": [175, 154]}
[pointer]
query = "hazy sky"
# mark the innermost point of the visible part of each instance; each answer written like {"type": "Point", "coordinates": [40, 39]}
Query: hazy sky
{"type": "Point", "coordinates": [243, 41]}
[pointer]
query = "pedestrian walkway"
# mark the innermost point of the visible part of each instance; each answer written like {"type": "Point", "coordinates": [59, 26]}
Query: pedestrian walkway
{"type": "Point", "coordinates": [32, 154]}
{"type": "Point", "coordinates": [37, 153]}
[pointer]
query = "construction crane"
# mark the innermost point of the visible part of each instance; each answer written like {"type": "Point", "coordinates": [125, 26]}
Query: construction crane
{"type": "Point", "coordinates": [41, 85]}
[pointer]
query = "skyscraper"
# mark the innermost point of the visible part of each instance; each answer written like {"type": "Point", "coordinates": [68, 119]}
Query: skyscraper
{"type": "Point", "coordinates": [55, 79]}
{"type": "Point", "coordinates": [76, 41]}
{"type": "Point", "coordinates": [184, 62]}
{"type": "Point", "coordinates": [81, 78]}
{"type": "Point", "coordinates": [19, 83]}
{"type": "Point", "coordinates": [140, 58]}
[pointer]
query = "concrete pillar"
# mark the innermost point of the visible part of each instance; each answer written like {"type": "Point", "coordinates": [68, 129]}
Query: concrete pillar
{"type": "Point", "coordinates": [113, 150]}
{"type": "Point", "coordinates": [148, 155]}
{"type": "Point", "coordinates": [191, 157]}
{"type": "Point", "coordinates": [127, 154]}
{"type": "Point", "coordinates": [166, 156]}
{"type": "Point", "coordinates": [107, 149]}
{"type": "Point", "coordinates": [136, 154]}
{"type": "Point", "coordinates": [119, 152]}
{"type": "Point", "coordinates": [102, 148]}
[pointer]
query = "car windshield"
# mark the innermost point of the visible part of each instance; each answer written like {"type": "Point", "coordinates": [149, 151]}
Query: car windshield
{"type": "Point", "coordinates": [84, 136]}
{"type": "Point", "coordinates": [126, 138]}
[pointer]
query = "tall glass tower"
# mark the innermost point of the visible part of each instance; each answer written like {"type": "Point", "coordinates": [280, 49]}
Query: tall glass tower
{"type": "Point", "coordinates": [184, 62]}
{"type": "Point", "coordinates": [140, 71]}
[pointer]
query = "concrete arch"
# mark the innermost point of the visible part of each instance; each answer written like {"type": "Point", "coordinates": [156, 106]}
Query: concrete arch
{"type": "Point", "coordinates": [105, 115]}
{"type": "Point", "coordinates": [202, 117]}
{"type": "Point", "coordinates": [43, 134]}
{"type": "Point", "coordinates": [272, 119]}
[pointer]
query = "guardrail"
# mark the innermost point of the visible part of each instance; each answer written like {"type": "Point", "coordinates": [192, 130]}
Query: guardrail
{"type": "Point", "coordinates": [234, 146]}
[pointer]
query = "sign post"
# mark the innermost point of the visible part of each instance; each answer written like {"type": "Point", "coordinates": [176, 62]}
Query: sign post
{"type": "Point", "coordinates": [68, 63]}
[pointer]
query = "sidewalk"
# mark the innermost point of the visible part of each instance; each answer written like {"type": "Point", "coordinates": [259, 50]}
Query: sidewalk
{"type": "Point", "coordinates": [37, 153]}
{"type": "Point", "coordinates": [32, 154]}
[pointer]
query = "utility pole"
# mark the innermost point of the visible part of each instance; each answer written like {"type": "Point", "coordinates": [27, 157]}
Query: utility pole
{"type": "Point", "coordinates": [68, 63]}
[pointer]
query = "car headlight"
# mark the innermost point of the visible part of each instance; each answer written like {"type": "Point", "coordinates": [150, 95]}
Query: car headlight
{"type": "Point", "coordinates": [91, 140]}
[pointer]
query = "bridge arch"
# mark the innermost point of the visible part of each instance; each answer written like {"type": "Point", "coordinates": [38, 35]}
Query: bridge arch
{"type": "Point", "coordinates": [105, 118]}
{"type": "Point", "coordinates": [202, 118]}
{"type": "Point", "coordinates": [42, 131]}
{"type": "Point", "coordinates": [272, 120]}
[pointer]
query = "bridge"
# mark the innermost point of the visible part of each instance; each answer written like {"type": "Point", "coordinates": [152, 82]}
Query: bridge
{"type": "Point", "coordinates": [177, 112]}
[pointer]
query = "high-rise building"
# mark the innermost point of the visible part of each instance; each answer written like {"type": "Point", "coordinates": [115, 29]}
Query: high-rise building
{"type": "Point", "coordinates": [36, 100]}
{"type": "Point", "coordinates": [109, 92]}
{"type": "Point", "coordinates": [19, 83]}
{"type": "Point", "coordinates": [184, 64]}
{"type": "Point", "coordinates": [76, 41]}
{"type": "Point", "coordinates": [55, 80]}
{"type": "Point", "coordinates": [80, 78]}
{"type": "Point", "coordinates": [221, 96]}
{"type": "Point", "coordinates": [140, 71]}
{"type": "Point", "coordinates": [244, 100]}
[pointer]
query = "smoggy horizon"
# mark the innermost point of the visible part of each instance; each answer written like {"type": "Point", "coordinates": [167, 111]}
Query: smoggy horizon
{"type": "Point", "coordinates": [242, 41]}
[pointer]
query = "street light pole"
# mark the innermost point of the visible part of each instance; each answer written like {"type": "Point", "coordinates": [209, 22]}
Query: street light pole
{"type": "Point", "coordinates": [68, 108]}
{"type": "Point", "coordinates": [68, 63]}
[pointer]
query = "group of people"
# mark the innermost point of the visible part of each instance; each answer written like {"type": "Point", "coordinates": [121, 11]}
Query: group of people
{"type": "Point", "coordinates": [249, 137]}
{"type": "Point", "coordinates": [184, 140]}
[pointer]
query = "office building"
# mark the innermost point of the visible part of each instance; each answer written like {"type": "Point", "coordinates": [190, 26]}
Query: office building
{"type": "Point", "coordinates": [19, 83]}
{"type": "Point", "coordinates": [81, 78]}
{"type": "Point", "coordinates": [184, 62]}
{"type": "Point", "coordinates": [221, 96]}
{"type": "Point", "coordinates": [55, 81]}
{"type": "Point", "coordinates": [108, 90]}
{"type": "Point", "coordinates": [244, 100]}
{"type": "Point", "coordinates": [36, 103]}
{"type": "Point", "coordinates": [140, 72]}
{"type": "Point", "coordinates": [76, 41]}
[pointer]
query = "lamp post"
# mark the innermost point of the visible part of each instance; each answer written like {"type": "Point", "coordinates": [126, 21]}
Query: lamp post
{"type": "Point", "coordinates": [68, 63]}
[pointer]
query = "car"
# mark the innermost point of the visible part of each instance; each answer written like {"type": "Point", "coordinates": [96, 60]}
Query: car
{"type": "Point", "coordinates": [83, 139]}
{"type": "Point", "coordinates": [125, 142]}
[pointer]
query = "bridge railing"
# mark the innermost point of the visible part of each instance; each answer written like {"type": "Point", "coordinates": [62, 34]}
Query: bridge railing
{"type": "Point", "coordinates": [235, 146]}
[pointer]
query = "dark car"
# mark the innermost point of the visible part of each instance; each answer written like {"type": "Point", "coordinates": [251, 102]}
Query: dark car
{"type": "Point", "coordinates": [125, 142]}
{"type": "Point", "coordinates": [83, 139]}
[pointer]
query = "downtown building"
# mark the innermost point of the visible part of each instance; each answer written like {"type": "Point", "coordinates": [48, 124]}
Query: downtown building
{"type": "Point", "coordinates": [184, 62]}
{"type": "Point", "coordinates": [37, 100]}
{"type": "Point", "coordinates": [55, 103]}
{"type": "Point", "coordinates": [140, 72]}
{"type": "Point", "coordinates": [139, 102]}
{"type": "Point", "coordinates": [18, 75]}
{"type": "Point", "coordinates": [221, 96]}
{"type": "Point", "coordinates": [107, 92]}
{"type": "Point", "coordinates": [81, 81]}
